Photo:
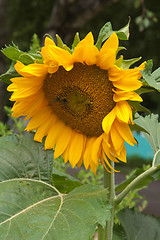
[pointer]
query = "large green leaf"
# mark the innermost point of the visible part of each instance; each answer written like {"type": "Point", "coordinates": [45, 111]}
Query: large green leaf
{"type": "Point", "coordinates": [15, 54]}
{"type": "Point", "coordinates": [11, 73]}
{"type": "Point", "coordinates": [139, 226]}
{"type": "Point", "coordinates": [151, 79]}
{"type": "Point", "coordinates": [64, 182]}
{"type": "Point", "coordinates": [22, 157]}
{"type": "Point", "coordinates": [152, 126]}
{"type": "Point", "coordinates": [106, 31]}
{"type": "Point", "coordinates": [31, 209]}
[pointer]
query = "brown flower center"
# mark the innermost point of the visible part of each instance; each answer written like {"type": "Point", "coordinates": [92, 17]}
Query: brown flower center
{"type": "Point", "coordinates": [81, 97]}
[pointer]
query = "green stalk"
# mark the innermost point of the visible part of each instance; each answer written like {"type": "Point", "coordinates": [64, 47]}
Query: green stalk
{"type": "Point", "coordinates": [109, 183]}
{"type": "Point", "coordinates": [132, 185]}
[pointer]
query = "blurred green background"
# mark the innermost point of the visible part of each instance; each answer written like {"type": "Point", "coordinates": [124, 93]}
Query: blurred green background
{"type": "Point", "coordinates": [19, 20]}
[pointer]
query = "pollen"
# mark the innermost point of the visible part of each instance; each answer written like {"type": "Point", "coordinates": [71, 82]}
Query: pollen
{"type": "Point", "coordinates": [81, 97]}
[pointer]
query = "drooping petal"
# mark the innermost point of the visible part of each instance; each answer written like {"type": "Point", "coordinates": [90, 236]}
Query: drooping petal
{"type": "Point", "coordinates": [62, 141]}
{"type": "Point", "coordinates": [123, 111]}
{"type": "Point", "coordinates": [96, 147]}
{"type": "Point", "coordinates": [125, 132]}
{"type": "Point", "coordinates": [108, 121]}
{"type": "Point", "coordinates": [87, 154]}
{"type": "Point", "coordinates": [117, 140]}
{"type": "Point", "coordinates": [76, 148]}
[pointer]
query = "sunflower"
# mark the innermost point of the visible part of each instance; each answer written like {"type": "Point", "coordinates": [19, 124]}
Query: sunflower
{"type": "Point", "coordinates": [78, 101]}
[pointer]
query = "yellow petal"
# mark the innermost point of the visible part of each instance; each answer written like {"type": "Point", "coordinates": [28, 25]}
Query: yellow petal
{"type": "Point", "coordinates": [18, 67]}
{"type": "Point", "coordinates": [22, 93]}
{"type": "Point", "coordinates": [127, 79]}
{"type": "Point", "coordinates": [85, 51]}
{"type": "Point", "coordinates": [123, 111]}
{"type": "Point", "coordinates": [39, 118]}
{"type": "Point", "coordinates": [107, 54]}
{"type": "Point", "coordinates": [53, 134]}
{"type": "Point", "coordinates": [123, 95]}
{"type": "Point", "coordinates": [44, 128]}
{"type": "Point", "coordinates": [109, 165]}
{"type": "Point", "coordinates": [107, 150]}
{"type": "Point", "coordinates": [108, 121]}
{"type": "Point", "coordinates": [87, 153]}
{"type": "Point", "coordinates": [111, 43]}
{"type": "Point", "coordinates": [62, 141]}
{"type": "Point", "coordinates": [35, 69]}
{"type": "Point", "coordinates": [27, 82]}
{"type": "Point", "coordinates": [93, 166]}
{"type": "Point", "coordinates": [33, 106]}
{"type": "Point", "coordinates": [122, 156]}
{"type": "Point", "coordinates": [128, 84]}
{"type": "Point", "coordinates": [76, 148]}
{"type": "Point", "coordinates": [49, 41]}
{"type": "Point", "coordinates": [95, 150]}
{"type": "Point", "coordinates": [125, 132]}
{"type": "Point", "coordinates": [117, 140]}
{"type": "Point", "coordinates": [63, 57]}
{"type": "Point", "coordinates": [12, 87]}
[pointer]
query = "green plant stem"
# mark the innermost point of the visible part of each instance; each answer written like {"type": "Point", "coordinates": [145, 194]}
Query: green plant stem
{"type": "Point", "coordinates": [109, 183]}
{"type": "Point", "coordinates": [132, 185]}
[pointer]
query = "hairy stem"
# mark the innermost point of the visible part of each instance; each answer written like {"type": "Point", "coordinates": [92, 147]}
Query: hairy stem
{"type": "Point", "coordinates": [109, 183]}
{"type": "Point", "coordinates": [132, 185]}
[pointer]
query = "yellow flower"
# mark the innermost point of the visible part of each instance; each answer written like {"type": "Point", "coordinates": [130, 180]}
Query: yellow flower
{"type": "Point", "coordinates": [79, 101]}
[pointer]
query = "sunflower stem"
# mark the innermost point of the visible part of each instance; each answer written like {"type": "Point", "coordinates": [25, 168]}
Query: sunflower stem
{"type": "Point", "coordinates": [109, 183]}
{"type": "Point", "coordinates": [133, 184]}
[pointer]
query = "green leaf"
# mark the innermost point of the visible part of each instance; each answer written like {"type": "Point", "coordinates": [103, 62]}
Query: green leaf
{"type": "Point", "coordinates": [152, 126]}
{"type": "Point", "coordinates": [123, 33]}
{"type": "Point", "coordinates": [118, 233]}
{"type": "Point", "coordinates": [35, 45]}
{"type": "Point", "coordinates": [137, 128]}
{"type": "Point", "coordinates": [139, 226]}
{"type": "Point", "coordinates": [13, 53]}
{"type": "Point", "coordinates": [156, 160]}
{"type": "Point", "coordinates": [104, 33]}
{"type": "Point", "coordinates": [31, 209]}
{"type": "Point", "coordinates": [76, 40]}
{"type": "Point", "coordinates": [61, 44]}
{"type": "Point", "coordinates": [151, 79]}
{"type": "Point", "coordinates": [11, 73]}
{"type": "Point", "coordinates": [22, 157]}
{"type": "Point", "coordinates": [125, 64]}
{"type": "Point", "coordinates": [64, 182]}
{"type": "Point", "coordinates": [137, 107]}
{"type": "Point", "coordinates": [136, 172]}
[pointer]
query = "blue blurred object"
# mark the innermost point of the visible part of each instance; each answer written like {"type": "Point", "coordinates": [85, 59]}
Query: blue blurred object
{"type": "Point", "coordinates": [143, 149]}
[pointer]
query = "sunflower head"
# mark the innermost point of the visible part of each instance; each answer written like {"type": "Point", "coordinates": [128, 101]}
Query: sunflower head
{"type": "Point", "coordinates": [79, 101]}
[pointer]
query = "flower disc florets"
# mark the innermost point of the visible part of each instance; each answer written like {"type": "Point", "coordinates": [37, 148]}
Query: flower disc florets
{"type": "Point", "coordinates": [81, 97]}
